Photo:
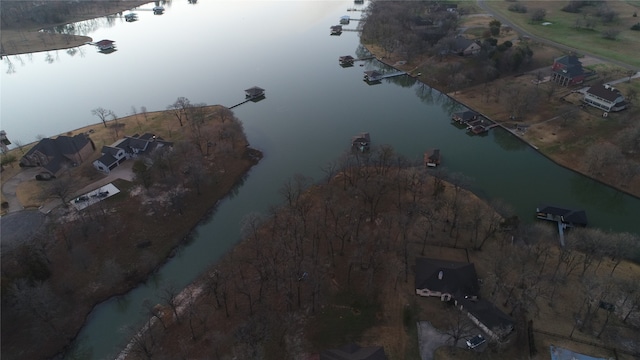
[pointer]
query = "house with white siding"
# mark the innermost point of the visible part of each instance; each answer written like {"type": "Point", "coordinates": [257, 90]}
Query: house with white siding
{"type": "Point", "coordinates": [605, 97]}
{"type": "Point", "coordinates": [126, 148]}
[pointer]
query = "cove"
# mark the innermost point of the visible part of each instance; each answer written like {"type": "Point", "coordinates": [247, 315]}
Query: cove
{"type": "Point", "coordinates": [210, 52]}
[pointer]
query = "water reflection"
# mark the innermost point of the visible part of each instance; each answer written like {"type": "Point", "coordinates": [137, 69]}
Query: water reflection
{"type": "Point", "coordinates": [508, 141]}
{"type": "Point", "coordinates": [604, 198]}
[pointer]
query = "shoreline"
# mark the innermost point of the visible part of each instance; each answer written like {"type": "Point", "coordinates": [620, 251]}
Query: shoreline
{"type": "Point", "coordinates": [502, 126]}
{"type": "Point", "coordinates": [32, 39]}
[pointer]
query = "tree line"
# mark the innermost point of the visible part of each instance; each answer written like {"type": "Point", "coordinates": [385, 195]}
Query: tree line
{"type": "Point", "coordinates": [359, 230]}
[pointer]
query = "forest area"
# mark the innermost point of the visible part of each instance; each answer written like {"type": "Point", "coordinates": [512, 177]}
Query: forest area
{"type": "Point", "coordinates": [335, 264]}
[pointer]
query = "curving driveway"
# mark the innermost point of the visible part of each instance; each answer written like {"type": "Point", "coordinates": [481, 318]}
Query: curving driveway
{"type": "Point", "coordinates": [20, 225]}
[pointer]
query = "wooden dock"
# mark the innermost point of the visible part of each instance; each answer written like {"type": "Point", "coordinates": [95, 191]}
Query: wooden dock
{"type": "Point", "coordinates": [374, 76]}
{"type": "Point", "coordinates": [240, 103]}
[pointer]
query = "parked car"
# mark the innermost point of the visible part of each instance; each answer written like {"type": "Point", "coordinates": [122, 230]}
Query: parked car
{"type": "Point", "coordinates": [80, 199]}
{"type": "Point", "coordinates": [44, 176]}
{"type": "Point", "coordinates": [475, 341]}
{"type": "Point", "coordinates": [101, 194]}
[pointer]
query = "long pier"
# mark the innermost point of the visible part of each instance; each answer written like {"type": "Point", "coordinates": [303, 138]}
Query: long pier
{"type": "Point", "coordinates": [386, 76]}
{"type": "Point", "coordinates": [240, 103]}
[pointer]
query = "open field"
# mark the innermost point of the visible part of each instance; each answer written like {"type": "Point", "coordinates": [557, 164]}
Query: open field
{"type": "Point", "coordinates": [563, 30]}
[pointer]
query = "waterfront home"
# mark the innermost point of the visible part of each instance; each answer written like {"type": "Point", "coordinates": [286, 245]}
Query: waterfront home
{"type": "Point", "coordinates": [56, 155]}
{"type": "Point", "coordinates": [126, 148]}
{"type": "Point", "coordinates": [445, 279]}
{"type": "Point", "coordinates": [493, 321]}
{"type": "Point", "coordinates": [567, 70]}
{"type": "Point", "coordinates": [4, 141]}
{"type": "Point", "coordinates": [605, 97]}
{"type": "Point", "coordinates": [464, 47]}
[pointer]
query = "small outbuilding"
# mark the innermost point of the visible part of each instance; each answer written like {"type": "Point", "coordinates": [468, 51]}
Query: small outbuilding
{"type": "Point", "coordinates": [254, 92]}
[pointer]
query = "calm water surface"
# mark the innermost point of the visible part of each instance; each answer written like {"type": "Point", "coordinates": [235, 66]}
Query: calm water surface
{"type": "Point", "coordinates": [210, 52]}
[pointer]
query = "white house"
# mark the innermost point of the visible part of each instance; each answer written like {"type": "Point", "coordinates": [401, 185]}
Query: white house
{"type": "Point", "coordinates": [126, 148]}
{"type": "Point", "coordinates": [605, 97]}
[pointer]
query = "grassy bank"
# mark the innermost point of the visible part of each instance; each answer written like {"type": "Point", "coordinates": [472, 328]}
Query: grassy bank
{"type": "Point", "coordinates": [563, 27]}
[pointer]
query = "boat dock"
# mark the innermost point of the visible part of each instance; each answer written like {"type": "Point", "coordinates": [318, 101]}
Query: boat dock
{"type": "Point", "coordinates": [254, 94]}
{"type": "Point", "coordinates": [374, 76]}
{"type": "Point", "coordinates": [473, 122]}
{"type": "Point", "coordinates": [565, 218]}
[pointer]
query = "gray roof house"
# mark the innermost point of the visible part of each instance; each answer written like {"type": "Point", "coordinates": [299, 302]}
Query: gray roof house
{"type": "Point", "coordinates": [55, 155]}
{"type": "Point", "coordinates": [605, 97]}
{"type": "Point", "coordinates": [465, 47]}
{"type": "Point", "coordinates": [126, 148]}
{"type": "Point", "coordinates": [488, 317]}
{"type": "Point", "coordinates": [354, 352]}
{"type": "Point", "coordinates": [445, 279]}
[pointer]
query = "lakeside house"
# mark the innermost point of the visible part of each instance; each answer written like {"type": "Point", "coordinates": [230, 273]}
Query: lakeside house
{"type": "Point", "coordinates": [354, 352]}
{"type": "Point", "coordinates": [458, 281]}
{"type": "Point", "coordinates": [445, 279]}
{"type": "Point", "coordinates": [605, 97]}
{"type": "Point", "coordinates": [56, 155]}
{"type": "Point", "coordinates": [464, 47]}
{"type": "Point", "coordinates": [493, 321]}
{"type": "Point", "coordinates": [567, 71]}
{"type": "Point", "coordinates": [126, 148]}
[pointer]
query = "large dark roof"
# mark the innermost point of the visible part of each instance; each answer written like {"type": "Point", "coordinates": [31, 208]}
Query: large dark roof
{"type": "Point", "coordinates": [568, 60]}
{"type": "Point", "coordinates": [577, 217]}
{"type": "Point", "coordinates": [446, 276]}
{"type": "Point", "coordinates": [487, 313]}
{"type": "Point", "coordinates": [462, 43]}
{"type": "Point", "coordinates": [56, 150]}
{"type": "Point", "coordinates": [604, 91]}
{"type": "Point", "coordinates": [354, 352]}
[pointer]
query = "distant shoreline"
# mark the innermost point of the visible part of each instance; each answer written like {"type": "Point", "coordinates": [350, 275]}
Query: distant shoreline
{"type": "Point", "coordinates": [29, 38]}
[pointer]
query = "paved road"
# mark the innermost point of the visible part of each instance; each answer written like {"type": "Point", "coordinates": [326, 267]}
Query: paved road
{"type": "Point", "coordinates": [505, 21]}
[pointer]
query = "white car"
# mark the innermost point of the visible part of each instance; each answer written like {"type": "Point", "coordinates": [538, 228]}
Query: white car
{"type": "Point", "coordinates": [475, 341]}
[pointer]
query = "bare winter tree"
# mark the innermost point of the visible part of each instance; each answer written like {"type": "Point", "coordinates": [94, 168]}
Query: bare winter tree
{"type": "Point", "coordinates": [103, 114]}
{"type": "Point", "coordinates": [459, 327]}
{"type": "Point", "coordinates": [180, 109]}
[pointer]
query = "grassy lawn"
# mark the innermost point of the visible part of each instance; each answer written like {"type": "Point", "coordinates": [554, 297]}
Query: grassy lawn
{"type": "Point", "coordinates": [562, 29]}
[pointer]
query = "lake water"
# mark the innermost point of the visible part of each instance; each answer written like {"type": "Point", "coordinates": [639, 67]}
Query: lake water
{"type": "Point", "coordinates": [210, 52]}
